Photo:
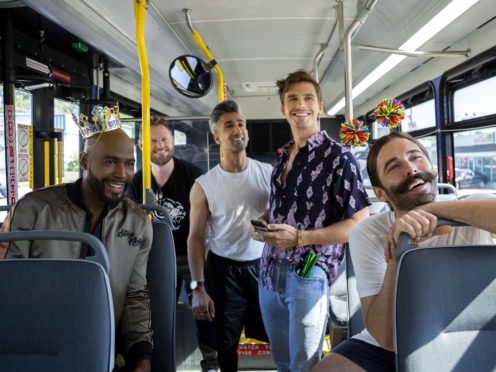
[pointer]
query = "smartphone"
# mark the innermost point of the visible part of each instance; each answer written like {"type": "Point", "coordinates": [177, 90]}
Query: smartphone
{"type": "Point", "coordinates": [259, 225]}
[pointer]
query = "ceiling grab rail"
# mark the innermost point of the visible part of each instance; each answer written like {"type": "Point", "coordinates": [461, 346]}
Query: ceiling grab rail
{"type": "Point", "coordinates": [347, 37]}
{"type": "Point", "coordinates": [139, 15]}
{"type": "Point", "coordinates": [211, 61]}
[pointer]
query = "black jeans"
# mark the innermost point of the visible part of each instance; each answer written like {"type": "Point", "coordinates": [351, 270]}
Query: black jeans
{"type": "Point", "coordinates": [233, 286]}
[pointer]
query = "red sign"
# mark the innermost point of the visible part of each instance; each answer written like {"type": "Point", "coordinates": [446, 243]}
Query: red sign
{"type": "Point", "coordinates": [60, 75]}
{"type": "Point", "coordinates": [254, 350]}
{"type": "Point", "coordinates": [11, 154]}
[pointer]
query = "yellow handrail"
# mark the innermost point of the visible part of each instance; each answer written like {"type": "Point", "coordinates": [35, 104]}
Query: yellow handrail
{"type": "Point", "coordinates": [60, 160]}
{"type": "Point", "coordinates": [201, 44]}
{"type": "Point", "coordinates": [46, 161]}
{"type": "Point", "coordinates": [139, 15]}
{"type": "Point", "coordinates": [220, 74]}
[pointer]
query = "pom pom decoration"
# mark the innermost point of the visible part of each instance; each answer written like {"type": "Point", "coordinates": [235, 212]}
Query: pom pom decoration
{"type": "Point", "coordinates": [354, 133]}
{"type": "Point", "coordinates": [389, 113]}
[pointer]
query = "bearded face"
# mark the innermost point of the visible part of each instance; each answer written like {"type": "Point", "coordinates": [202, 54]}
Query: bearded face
{"type": "Point", "coordinates": [417, 189]}
{"type": "Point", "coordinates": [107, 189]}
{"type": "Point", "coordinates": [162, 145]}
{"type": "Point", "coordinates": [406, 175]}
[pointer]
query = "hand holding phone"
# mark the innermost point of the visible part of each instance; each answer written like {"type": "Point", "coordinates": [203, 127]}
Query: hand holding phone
{"type": "Point", "coordinates": [259, 225]}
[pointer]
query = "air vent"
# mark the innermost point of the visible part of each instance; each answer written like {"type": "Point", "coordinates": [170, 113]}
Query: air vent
{"type": "Point", "coordinates": [259, 87]}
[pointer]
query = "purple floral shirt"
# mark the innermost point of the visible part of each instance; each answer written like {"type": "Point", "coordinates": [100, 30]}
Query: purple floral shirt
{"type": "Point", "coordinates": [323, 187]}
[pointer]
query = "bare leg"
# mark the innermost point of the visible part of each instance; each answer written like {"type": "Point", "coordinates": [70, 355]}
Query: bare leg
{"type": "Point", "coordinates": [337, 362]}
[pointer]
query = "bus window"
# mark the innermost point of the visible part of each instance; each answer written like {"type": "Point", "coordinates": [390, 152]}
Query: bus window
{"type": "Point", "coordinates": [194, 143]}
{"type": "Point", "coordinates": [129, 128]}
{"type": "Point", "coordinates": [179, 137]}
{"type": "Point", "coordinates": [3, 174]}
{"type": "Point", "coordinates": [475, 160]}
{"type": "Point", "coordinates": [430, 144]}
{"type": "Point", "coordinates": [475, 101]}
{"type": "Point", "coordinates": [420, 116]}
{"type": "Point", "coordinates": [63, 122]}
{"type": "Point", "coordinates": [378, 130]}
{"type": "Point", "coordinates": [23, 108]}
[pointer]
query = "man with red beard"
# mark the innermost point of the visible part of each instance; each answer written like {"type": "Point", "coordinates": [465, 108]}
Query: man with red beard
{"type": "Point", "coordinates": [96, 204]}
{"type": "Point", "coordinates": [225, 285]}
{"type": "Point", "coordinates": [403, 176]}
{"type": "Point", "coordinates": [172, 179]}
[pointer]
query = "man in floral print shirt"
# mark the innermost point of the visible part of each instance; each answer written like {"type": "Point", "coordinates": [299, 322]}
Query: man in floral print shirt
{"type": "Point", "coordinates": [317, 196]}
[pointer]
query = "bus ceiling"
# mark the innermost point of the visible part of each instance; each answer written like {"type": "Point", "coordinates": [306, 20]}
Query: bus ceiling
{"type": "Point", "coordinates": [256, 45]}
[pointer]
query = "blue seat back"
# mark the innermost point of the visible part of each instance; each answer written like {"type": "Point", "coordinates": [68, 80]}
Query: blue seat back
{"type": "Point", "coordinates": [355, 318]}
{"type": "Point", "coordinates": [56, 315]}
{"type": "Point", "coordinates": [161, 278]}
{"type": "Point", "coordinates": [445, 309]}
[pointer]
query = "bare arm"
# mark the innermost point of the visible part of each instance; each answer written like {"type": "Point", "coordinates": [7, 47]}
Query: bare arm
{"type": "Point", "coordinates": [377, 310]}
{"type": "Point", "coordinates": [284, 235]}
{"type": "Point", "coordinates": [198, 224]}
{"type": "Point", "coordinates": [202, 304]}
{"type": "Point", "coordinates": [419, 224]}
{"type": "Point", "coordinates": [479, 213]}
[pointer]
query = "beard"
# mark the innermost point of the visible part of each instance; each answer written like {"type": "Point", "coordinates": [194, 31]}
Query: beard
{"type": "Point", "coordinates": [98, 188]}
{"type": "Point", "coordinates": [163, 159]}
{"type": "Point", "coordinates": [400, 197]}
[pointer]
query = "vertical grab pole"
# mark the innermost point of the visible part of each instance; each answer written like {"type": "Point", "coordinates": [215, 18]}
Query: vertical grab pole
{"type": "Point", "coordinates": [60, 159]}
{"type": "Point", "coordinates": [139, 15]}
{"type": "Point", "coordinates": [46, 161]}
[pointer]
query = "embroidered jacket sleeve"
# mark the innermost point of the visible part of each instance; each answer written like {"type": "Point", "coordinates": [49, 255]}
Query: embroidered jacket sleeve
{"type": "Point", "coordinates": [136, 317]}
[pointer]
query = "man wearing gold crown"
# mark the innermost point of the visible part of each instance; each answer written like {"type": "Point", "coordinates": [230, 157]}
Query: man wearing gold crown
{"type": "Point", "coordinates": [96, 203]}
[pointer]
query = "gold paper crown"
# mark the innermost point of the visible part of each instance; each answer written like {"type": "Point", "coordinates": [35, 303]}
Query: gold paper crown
{"type": "Point", "coordinates": [102, 119]}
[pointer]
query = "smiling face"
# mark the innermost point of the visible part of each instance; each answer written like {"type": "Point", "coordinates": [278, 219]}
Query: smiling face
{"type": "Point", "coordinates": [406, 174]}
{"type": "Point", "coordinates": [162, 144]}
{"type": "Point", "coordinates": [109, 166]}
{"type": "Point", "coordinates": [231, 133]}
{"type": "Point", "coordinates": [301, 106]}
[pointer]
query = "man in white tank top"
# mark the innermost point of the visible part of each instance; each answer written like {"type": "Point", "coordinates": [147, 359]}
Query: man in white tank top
{"type": "Point", "coordinates": [223, 201]}
{"type": "Point", "coordinates": [402, 175]}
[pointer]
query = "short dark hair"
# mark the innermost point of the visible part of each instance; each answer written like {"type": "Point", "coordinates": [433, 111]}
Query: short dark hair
{"type": "Point", "coordinates": [299, 76]}
{"type": "Point", "coordinates": [376, 148]}
{"type": "Point", "coordinates": [222, 108]}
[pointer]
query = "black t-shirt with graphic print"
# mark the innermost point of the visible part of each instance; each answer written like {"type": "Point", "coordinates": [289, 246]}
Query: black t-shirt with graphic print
{"type": "Point", "coordinates": [174, 196]}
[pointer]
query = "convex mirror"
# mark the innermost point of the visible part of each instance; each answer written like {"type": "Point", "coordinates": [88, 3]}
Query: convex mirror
{"type": "Point", "coordinates": [190, 76]}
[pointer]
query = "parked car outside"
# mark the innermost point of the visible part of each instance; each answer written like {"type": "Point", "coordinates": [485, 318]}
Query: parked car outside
{"type": "Point", "coordinates": [467, 178]}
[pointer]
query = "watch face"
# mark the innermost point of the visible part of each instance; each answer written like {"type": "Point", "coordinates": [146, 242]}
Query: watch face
{"type": "Point", "coordinates": [193, 284]}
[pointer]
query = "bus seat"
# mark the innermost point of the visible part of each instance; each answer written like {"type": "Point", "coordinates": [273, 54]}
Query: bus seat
{"type": "Point", "coordinates": [161, 278]}
{"type": "Point", "coordinates": [355, 319]}
{"type": "Point", "coordinates": [57, 314]}
{"type": "Point", "coordinates": [338, 297]}
{"type": "Point", "coordinates": [338, 306]}
{"type": "Point", "coordinates": [451, 195]}
{"type": "Point", "coordinates": [445, 308]}
{"type": "Point", "coordinates": [158, 208]}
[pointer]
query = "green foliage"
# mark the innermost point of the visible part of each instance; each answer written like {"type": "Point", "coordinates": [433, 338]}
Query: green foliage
{"type": "Point", "coordinates": [73, 165]}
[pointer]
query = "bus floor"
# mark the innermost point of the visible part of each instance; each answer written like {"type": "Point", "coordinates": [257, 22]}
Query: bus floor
{"type": "Point", "coordinates": [252, 356]}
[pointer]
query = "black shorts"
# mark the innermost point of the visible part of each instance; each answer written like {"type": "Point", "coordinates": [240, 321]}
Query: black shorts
{"type": "Point", "coordinates": [233, 286]}
{"type": "Point", "coordinates": [370, 357]}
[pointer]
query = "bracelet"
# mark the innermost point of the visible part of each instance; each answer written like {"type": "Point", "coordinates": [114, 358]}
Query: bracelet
{"type": "Point", "coordinates": [299, 238]}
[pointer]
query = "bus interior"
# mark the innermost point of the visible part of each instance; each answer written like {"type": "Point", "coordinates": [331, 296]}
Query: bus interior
{"type": "Point", "coordinates": [437, 57]}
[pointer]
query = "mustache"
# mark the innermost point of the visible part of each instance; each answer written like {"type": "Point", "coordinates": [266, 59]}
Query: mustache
{"type": "Point", "coordinates": [423, 176]}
